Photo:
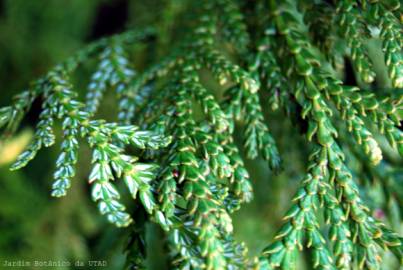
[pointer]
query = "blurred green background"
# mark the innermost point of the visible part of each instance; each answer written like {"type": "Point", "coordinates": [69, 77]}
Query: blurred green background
{"type": "Point", "coordinates": [34, 36]}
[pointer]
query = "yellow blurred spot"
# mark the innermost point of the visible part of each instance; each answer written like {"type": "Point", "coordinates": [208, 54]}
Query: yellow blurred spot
{"type": "Point", "coordinates": [11, 148]}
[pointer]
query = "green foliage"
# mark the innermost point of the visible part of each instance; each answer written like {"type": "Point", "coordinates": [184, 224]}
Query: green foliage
{"type": "Point", "coordinates": [175, 143]}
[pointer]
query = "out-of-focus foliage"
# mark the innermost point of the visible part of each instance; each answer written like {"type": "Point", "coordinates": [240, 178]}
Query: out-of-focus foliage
{"type": "Point", "coordinates": [215, 113]}
{"type": "Point", "coordinates": [37, 33]}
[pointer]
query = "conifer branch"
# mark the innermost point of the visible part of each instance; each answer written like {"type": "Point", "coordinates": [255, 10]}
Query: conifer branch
{"type": "Point", "coordinates": [184, 168]}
